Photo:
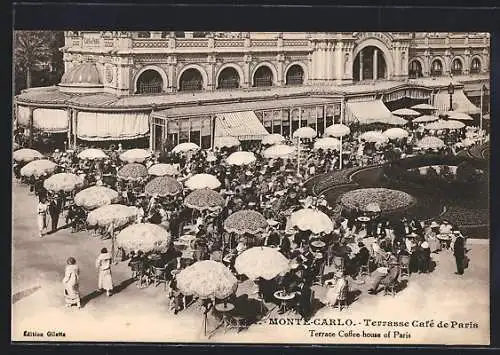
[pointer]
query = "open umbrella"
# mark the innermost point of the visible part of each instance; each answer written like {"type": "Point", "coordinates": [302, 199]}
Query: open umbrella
{"type": "Point", "coordinates": [406, 112]}
{"type": "Point", "coordinates": [425, 119]}
{"type": "Point", "coordinates": [92, 154]}
{"type": "Point", "coordinates": [394, 120]}
{"type": "Point", "coordinates": [312, 220]}
{"type": "Point", "coordinates": [37, 168]}
{"type": "Point", "coordinates": [207, 279]}
{"type": "Point", "coordinates": [146, 237]}
{"type": "Point", "coordinates": [241, 158]}
{"type": "Point", "coordinates": [163, 186]}
{"type": "Point", "coordinates": [135, 155]}
{"type": "Point", "coordinates": [118, 215]}
{"type": "Point", "coordinates": [444, 124]}
{"type": "Point", "coordinates": [271, 139]}
{"type": "Point", "coordinates": [226, 142]}
{"type": "Point", "coordinates": [63, 182]}
{"type": "Point", "coordinates": [460, 116]}
{"type": "Point", "coordinates": [132, 172]}
{"type": "Point", "coordinates": [164, 169]}
{"type": "Point", "coordinates": [374, 137]}
{"type": "Point", "coordinates": [262, 262]}
{"type": "Point", "coordinates": [245, 221]}
{"type": "Point", "coordinates": [430, 143]}
{"type": "Point", "coordinates": [372, 207]}
{"type": "Point", "coordinates": [304, 132]}
{"type": "Point", "coordinates": [15, 146]}
{"type": "Point", "coordinates": [396, 133]}
{"type": "Point", "coordinates": [204, 199]}
{"type": "Point", "coordinates": [337, 130]}
{"type": "Point", "coordinates": [278, 151]}
{"type": "Point", "coordinates": [327, 143]}
{"type": "Point", "coordinates": [95, 196]}
{"type": "Point", "coordinates": [202, 181]}
{"type": "Point", "coordinates": [424, 107]}
{"type": "Point", "coordinates": [185, 147]}
{"type": "Point", "coordinates": [26, 155]}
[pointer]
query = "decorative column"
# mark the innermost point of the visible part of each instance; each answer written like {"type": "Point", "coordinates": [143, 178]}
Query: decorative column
{"type": "Point", "coordinates": [361, 65]}
{"type": "Point", "coordinates": [172, 62]}
{"type": "Point", "coordinates": [247, 80]}
{"type": "Point", "coordinates": [211, 72]}
{"type": "Point", "coordinates": [280, 58]}
{"type": "Point", "coordinates": [375, 64]}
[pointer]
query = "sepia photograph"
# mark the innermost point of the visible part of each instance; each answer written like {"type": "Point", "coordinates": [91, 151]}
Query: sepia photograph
{"type": "Point", "coordinates": [251, 187]}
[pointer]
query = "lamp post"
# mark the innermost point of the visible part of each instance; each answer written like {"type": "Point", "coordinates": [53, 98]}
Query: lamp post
{"type": "Point", "coordinates": [451, 90]}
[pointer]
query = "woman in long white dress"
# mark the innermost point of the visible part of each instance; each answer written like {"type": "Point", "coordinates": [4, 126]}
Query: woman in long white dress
{"type": "Point", "coordinates": [42, 211]}
{"type": "Point", "coordinates": [103, 264]}
{"type": "Point", "coordinates": [335, 288]}
{"type": "Point", "coordinates": [71, 283]}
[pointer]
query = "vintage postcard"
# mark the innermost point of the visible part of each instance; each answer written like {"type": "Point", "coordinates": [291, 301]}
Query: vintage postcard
{"type": "Point", "coordinates": [251, 187]}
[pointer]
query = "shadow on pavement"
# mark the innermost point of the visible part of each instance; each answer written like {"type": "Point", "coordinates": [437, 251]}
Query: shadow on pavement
{"type": "Point", "coordinates": [96, 293]}
{"type": "Point", "coordinates": [24, 293]}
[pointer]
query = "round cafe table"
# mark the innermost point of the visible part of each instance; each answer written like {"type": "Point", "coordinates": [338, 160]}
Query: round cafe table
{"type": "Point", "coordinates": [284, 298]}
{"type": "Point", "coordinates": [318, 244]}
{"type": "Point", "coordinates": [444, 240]}
{"type": "Point", "coordinates": [224, 309]}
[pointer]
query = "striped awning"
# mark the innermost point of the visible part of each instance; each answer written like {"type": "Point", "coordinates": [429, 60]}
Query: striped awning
{"type": "Point", "coordinates": [460, 102]}
{"type": "Point", "coordinates": [368, 112]}
{"type": "Point", "coordinates": [243, 125]}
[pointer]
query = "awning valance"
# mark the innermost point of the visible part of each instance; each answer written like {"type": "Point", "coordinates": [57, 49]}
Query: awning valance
{"type": "Point", "coordinates": [50, 120]}
{"type": "Point", "coordinates": [23, 115]}
{"type": "Point", "coordinates": [100, 126]}
{"type": "Point", "coordinates": [367, 112]}
{"type": "Point", "coordinates": [243, 125]}
{"type": "Point", "coordinates": [460, 102]}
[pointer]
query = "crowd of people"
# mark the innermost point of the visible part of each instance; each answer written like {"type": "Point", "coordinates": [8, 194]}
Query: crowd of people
{"type": "Point", "coordinates": [377, 246]}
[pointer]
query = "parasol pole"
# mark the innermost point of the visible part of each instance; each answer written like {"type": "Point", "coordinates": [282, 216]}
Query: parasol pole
{"type": "Point", "coordinates": [340, 166]}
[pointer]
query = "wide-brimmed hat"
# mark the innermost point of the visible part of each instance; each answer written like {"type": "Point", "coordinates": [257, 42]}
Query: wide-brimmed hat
{"type": "Point", "coordinates": [425, 245]}
{"type": "Point", "coordinates": [434, 224]}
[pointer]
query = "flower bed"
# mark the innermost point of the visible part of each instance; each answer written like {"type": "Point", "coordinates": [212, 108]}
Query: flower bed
{"type": "Point", "coordinates": [388, 200]}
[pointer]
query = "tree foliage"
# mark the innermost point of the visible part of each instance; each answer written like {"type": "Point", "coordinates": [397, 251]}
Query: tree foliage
{"type": "Point", "coordinates": [37, 59]}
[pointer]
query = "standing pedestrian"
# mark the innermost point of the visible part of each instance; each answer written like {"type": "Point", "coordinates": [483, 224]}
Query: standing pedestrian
{"type": "Point", "coordinates": [71, 283]}
{"type": "Point", "coordinates": [459, 253]}
{"type": "Point", "coordinates": [103, 263]}
{"type": "Point", "coordinates": [54, 211]}
{"type": "Point", "coordinates": [42, 217]}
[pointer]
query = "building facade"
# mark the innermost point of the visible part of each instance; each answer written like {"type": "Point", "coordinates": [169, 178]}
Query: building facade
{"type": "Point", "coordinates": [172, 86]}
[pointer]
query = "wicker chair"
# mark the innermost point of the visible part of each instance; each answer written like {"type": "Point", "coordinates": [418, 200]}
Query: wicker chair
{"type": "Point", "coordinates": [342, 299]}
{"type": "Point", "coordinates": [158, 275]}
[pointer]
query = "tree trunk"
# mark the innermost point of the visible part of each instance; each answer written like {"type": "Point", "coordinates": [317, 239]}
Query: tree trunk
{"type": "Point", "coordinates": [28, 78]}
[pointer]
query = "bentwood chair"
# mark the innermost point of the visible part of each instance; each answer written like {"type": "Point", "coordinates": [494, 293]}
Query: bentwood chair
{"type": "Point", "coordinates": [342, 299]}
{"type": "Point", "coordinates": [404, 263]}
{"type": "Point", "coordinates": [158, 275]}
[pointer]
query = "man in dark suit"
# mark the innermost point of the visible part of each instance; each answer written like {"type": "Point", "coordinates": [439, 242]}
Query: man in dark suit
{"type": "Point", "coordinates": [272, 239]}
{"type": "Point", "coordinates": [361, 258]}
{"type": "Point", "coordinates": [459, 253]}
{"type": "Point", "coordinates": [284, 245]}
{"type": "Point", "coordinates": [54, 211]}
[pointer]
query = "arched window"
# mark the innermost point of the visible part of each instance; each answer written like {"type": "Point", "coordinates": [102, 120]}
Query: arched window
{"type": "Point", "coordinates": [228, 79]}
{"type": "Point", "coordinates": [475, 66]}
{"type": "Point", "coordinates": [436, 68]}
{"type": "Point", "coordinates": [369, 64]}
{"type": "Point", "coordinates": [456, 67]}
{"type": "Point", "coordinates": [144, 34]}
{"type": "Point", "coordinates": [415, 69]}
{"type": "Point", "coordinates": [149, 82]}
{"type": "Point", "coordinates": [191, 80]}
{"type": "Point", "coordinates": [263, 77]}
{"type": "Point", "coordinates": [295, 75]}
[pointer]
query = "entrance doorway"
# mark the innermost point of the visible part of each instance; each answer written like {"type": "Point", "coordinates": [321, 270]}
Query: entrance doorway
{"type": "Point", "coordinates": [369, 64]}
